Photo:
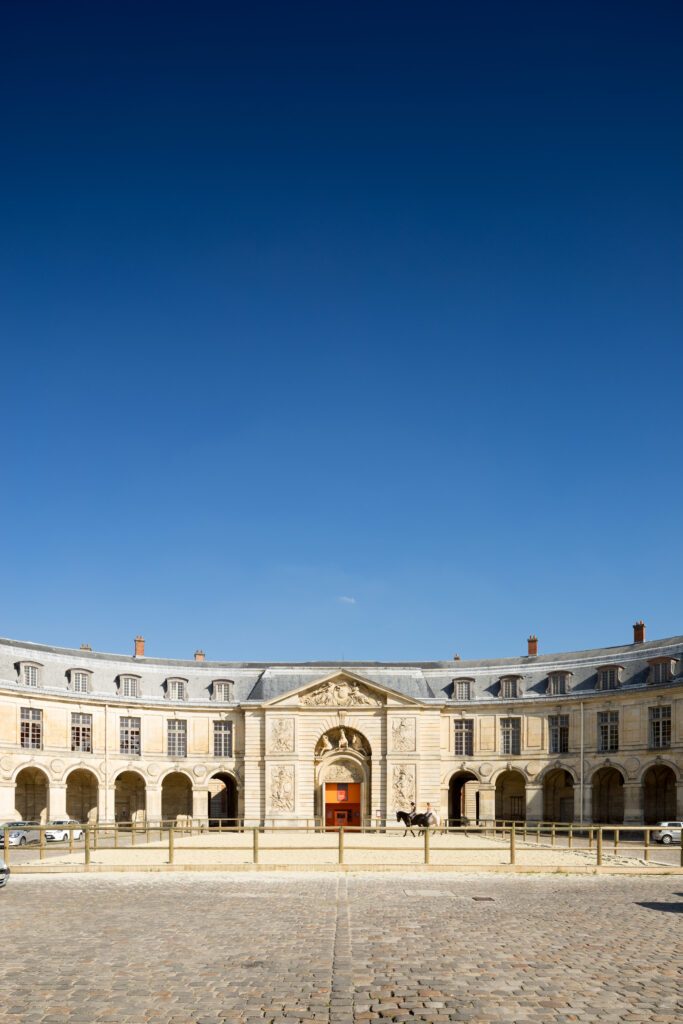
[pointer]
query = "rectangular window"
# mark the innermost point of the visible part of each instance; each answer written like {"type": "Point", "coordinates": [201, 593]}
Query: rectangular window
{"type": "Point", "coordinates": [176, 689]}
{"type": "Point", "coordinates": [608, 731]}
{"type": "Point", "coordinates": [177, 737]}
{"type": "Point", "coordinates": [464, 736]}
{"type": "Point", "coordinates": [222, 739]}
{"type": "Point", "coordinates": [130, 686]}
{"type": "Point", "coordinates": [31, 675]}
{"type": "Point", "coordinates": [508, 688]}
{"type": "Point", "coordinates": [557, 684]}
{"type": "Point", "coordinates": [511, 732]}
{"type": "Point", "coordinates": [221, 692]}
{"type": "Point", "coordinates": [32, 728]}
{"type": "Point", "coordinates": [129, 736]}
{"type": "Point", "coordinates": [609, 679]}
{"type": "Point", "coordinates": [558, 728]}
{"type": "Point", "coordinates": [463, 689]}
{"type": "Point", "coordinates": [81, 733]}
{"type": "Point", "coordinates": [79, 682]}
{"type": "Point", "coordinates": [660, 672]}
{"type": "Point", "coordinates": [660, 727]}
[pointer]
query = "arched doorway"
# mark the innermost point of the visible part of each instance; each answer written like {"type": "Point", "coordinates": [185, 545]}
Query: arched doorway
{"type": "Point", "coordinates": [659, 794]}
{"type": "Point", "coordinates": [342, 757]}
{"type": "Point", "coordinates": [176, 797]}
{"type": "Point", "coordinates": [81, 795]}
{"type": "Point", "coordinates": [608, 797]}
{"type": "Point", "coordinates": [129, 797]}
{"type": "Point", "coordinates": [463, 798]}
{"type": "Point", "coordinates": [222, 799]}
{"type": "Point", "coordinates": [558, 796]}
{"type": "Point", "coordinates": [31, 795]}
{"type": "Point", "coordinates": [510, 796]}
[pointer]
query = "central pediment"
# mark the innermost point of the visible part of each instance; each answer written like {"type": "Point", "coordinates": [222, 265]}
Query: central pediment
{"type": "Point", "coordinates": [342, 690]}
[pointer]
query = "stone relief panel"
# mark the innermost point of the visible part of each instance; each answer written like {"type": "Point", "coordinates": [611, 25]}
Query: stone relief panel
{"type": "Point", "coordinates": [343, 772]}
{"type": "Point", "coordinates": [340, 693]}
{"type": "Point", "coordinates": [282, 788]}
{"type": "Point", "coordinates": [403, 734]}
{"type": "Point", "coordinates": [282, 736]}
{"type": "Point", "coordinates": [403, 786]}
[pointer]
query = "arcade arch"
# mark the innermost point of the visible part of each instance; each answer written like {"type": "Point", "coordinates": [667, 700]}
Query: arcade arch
{"type": "Point", "coordinates": [176, 797]}
{"type": "Point", "coordinates": [558, 795]}
{"type": "Point", "coordinates": [511, 796]}
{"type": "Point", "coordinates": [343, 794]}
{"type": "Point", "coordinates": [222, 805]}
{"type": "Point", "coordinates": [659, 794]}
{"type": "Point", "coordinates": [81, 795]}
{"type": "Point", "coordinates": [130, 799]}
{"type": "Point", "coordinates": [463, 797]}
{"type": "Point", "coordinates": [608, 796]}
{"type": "Point", "coordinates": [31, 795]}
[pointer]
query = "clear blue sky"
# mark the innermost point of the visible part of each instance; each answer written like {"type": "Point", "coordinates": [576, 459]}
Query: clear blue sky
{"type": "Point", "coordinates": [341, 329]}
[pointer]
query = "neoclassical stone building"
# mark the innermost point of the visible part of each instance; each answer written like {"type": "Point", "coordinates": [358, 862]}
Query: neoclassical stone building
{"type": "Point", "coordinates": [589, 736]}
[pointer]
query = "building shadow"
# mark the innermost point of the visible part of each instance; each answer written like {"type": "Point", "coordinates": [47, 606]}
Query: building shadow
{"type": "Point", "coordinates": [671, 908]}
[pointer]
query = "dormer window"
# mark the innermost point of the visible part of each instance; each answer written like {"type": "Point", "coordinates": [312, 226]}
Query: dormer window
{"type": "Point", "coordinates": [129, 686]}
{"type": "Point", "coordinates": [509, 687]}
{"type": "Point", "coordinates": [30, 673]}
{"type": "Point", "coordinates": [79, 680]}
{"type": "Point", "coordinates": [176, 689]}
{"type": "Point", "coordinates": [222, 691]}
{"type": "Point", "coordinates": [609, 677]}
{"type": "Point", "coordinates": [558, 683]}
{"type": "Point", "coordinates": [462, 689]}
{"type": "Point", "coordinates": [660, 670]}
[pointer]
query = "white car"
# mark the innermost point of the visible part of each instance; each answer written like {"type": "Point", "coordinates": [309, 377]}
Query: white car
{"type": "Point", "coordinates": [58, 831]}
{"type": "Point", "coordinates": [668, 832]}
{"type": "Point", "coordinates": [21, 832]}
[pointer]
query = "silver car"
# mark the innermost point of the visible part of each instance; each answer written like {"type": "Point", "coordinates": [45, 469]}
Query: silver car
{"type": "Point", "coordinates": [21, 832]}
{"type": "Point", "coordinates": [58, 831]}
{"type": "Point", "coordinates": [4, 873]}
{"type": "Point", "coordinates": [667, 832]}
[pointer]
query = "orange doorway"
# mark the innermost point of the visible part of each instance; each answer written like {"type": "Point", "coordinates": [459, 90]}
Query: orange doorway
{"type": "Point", "coordinates": [342, 804]}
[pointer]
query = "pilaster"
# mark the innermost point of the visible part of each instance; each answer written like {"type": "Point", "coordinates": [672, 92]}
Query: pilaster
{"type": "Point", "coordinates": [534, 802]}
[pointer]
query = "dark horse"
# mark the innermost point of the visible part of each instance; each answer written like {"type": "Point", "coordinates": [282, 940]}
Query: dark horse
{"type": "Point", "coordinates": [418, 821]}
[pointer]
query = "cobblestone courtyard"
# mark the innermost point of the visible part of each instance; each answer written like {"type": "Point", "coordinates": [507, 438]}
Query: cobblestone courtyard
{"type": "Point", "coordinates": [221, 948]}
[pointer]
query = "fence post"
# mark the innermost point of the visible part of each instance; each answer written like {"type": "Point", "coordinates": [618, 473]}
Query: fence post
{"type": "Point", "coordinates": [116, 836]}
{"type": "Point", "coordinates": [513, 852]}
{"type": "Point", "coordinates": [525, 830]}
{"type": "Point", "coordinates": [681, 842]}
{"type": "Point", "coordinates": [616, 839]}
{"type": "Point", "coordinates": [552, 834]}
{"type": "Point", "coordinates": [132, 833]}
{"type": "Point", "coordinates": [570, 837]}
{"type": "Point", "coordinates": [427, 845]}
{"type": "Point", "coordinates": [255, 845]}
{"type": "Point", "coordinates": [171, 845]}
{"type": "Point", "coordinates": [590, 838]}
{"type": "Point", "coordinates": [5, 844]}
{"type": "Point", "coordinates": [42, 844]}
{"type": "Point", "coordinates": [646, 846]}
{"type": "Point", "coordinates": [341, 844]}
{"type": "Point", "coordinates": [87, 843]}
{"type": "Point", "coordinates": [94, 837]}
{"type": "Point", "coordinates": [599, 847]}
{"type": "Point", "coordinates": [538, 834]}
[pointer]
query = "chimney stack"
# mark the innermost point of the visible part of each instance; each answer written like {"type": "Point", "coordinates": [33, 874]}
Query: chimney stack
{"type": "Point", "coordinates": [456, 657]}
{"type": "Point", "coordinates": [532, 643]}
{"type": "Point", "coordinates": [86, 647]}
{"type": "Point", "coordinates": [139, 646]}
{"type": "Point", "coordinates": [639, 632]}
{"type": "Point", "coordinates": [199, 655]}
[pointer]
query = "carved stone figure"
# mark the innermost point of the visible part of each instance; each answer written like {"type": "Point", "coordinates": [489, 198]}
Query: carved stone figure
{"type": "Point", "coordinates": [343, 772]}
{"type": "Point", "coordinates": [325, 743]}
{"type": "Point", "coordinates": [282, 736]}
{"type": "Point", "coordinates": [403, 788]}
{"type": "Point", "coordinates": [341, 694]}
{"type": "Point", "coordinates": [357, 743]}
{"type": "Point", "coordinates": [343, 742]}
{"type": "Point", "coordinates": [403, 734]}
{"type": "Point", "coordinates": [282, 788]}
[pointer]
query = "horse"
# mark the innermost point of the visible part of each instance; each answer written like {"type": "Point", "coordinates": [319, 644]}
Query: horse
{"type": "Point", "coordinates": [418, 821]}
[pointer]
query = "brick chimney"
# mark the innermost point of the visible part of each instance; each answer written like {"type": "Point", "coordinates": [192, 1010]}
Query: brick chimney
{"type": "Point", "coordinates": [86, 647]}
{"type": "Point", "coordinates": [199, 655]}
{"type": "Point", "coordinates": [639, 632]}
{"type": "Point", "coordinates": [139, 646]}
{"type": "Point", "coordinates": [532, 646]}
{"type": "Point", "coordinates": [456, 657]}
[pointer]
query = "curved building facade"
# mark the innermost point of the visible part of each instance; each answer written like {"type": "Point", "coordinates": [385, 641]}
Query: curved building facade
{"type": "Point", "coordinates": [589, 736]}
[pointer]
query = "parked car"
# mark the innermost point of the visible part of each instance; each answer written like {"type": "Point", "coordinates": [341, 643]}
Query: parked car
{"type": "Point", "coordinates": [668, 832]}
{"type": "Point", "coordinates": [58, 831]}
{"type": "Point", "coordinates": [22, 832]}
{"type": "Point", "coordinates": [4, 873]}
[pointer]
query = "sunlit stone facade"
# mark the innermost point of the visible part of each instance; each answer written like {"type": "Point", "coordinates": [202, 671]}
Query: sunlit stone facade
{"type": "Point", "coordinates": [588, 736]}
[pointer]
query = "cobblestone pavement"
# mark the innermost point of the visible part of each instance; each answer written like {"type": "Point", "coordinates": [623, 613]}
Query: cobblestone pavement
{"type": "Point", "coordinates": [282, 948]}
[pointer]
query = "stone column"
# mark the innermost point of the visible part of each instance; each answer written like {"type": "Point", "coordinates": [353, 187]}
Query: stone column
{"type": "Point", "coordinates": [200, 802]}
{"type": "Point", "coordinates": [487, 802]}
{"type": "Point", "coordinates": [153, 798]}
{"type": "Point", "coordinates": [57, 800]}
{"type": "Point", "coordinates": [7, 808]}
{"type": "Point", "coordinates": [586, 803]}
{"type": "Point", "coordinates": [534, 802]}
{"type": "Point", "coordinates": [633, 803]}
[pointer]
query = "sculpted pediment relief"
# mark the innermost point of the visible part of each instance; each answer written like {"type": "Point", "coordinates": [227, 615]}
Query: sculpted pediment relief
{"type": "Point", "coordinates": [341, 693]}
